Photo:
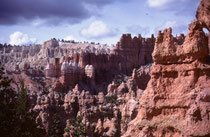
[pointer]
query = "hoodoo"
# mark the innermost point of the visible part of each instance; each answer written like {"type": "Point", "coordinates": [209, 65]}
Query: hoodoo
{"type": "Point", "coordinates": [176, 101]}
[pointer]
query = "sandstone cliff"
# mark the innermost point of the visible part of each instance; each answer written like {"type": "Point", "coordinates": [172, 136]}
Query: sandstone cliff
{"type": "Point", "coordinates": [176, 102]}
{"type": "Point", "coordinates": [203, 13]}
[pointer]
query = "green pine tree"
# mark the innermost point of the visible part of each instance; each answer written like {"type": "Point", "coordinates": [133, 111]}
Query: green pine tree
{"type": "Point", "coordinates": [7, 106]}
{"type": "Point", "coordinates": [16, 118]}
{"type": "Point", "coordinates": [77, 128]}
{"type": "Point", "coordinates": [55, 128]}
{"type": "Point", "coordinates": [26, 118]}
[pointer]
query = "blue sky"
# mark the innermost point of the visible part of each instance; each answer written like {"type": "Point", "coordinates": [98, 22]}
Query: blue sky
{"type": "Point", "coordinates": [104, 21]}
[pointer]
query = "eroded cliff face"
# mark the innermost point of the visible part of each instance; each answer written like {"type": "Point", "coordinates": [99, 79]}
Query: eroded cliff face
{"type": "Point", "coordinates": [168, 51]}
{"type": "Point", "coordinates": [203, 13]}
{"type": "Point", "coordinates": [176, 101]}
{"type": "Point", "coordinates": [133, 52]}
{"type": "Point", "coordinates": [67, 80]}
{"type": "Point", "coordinates": [103, 114]}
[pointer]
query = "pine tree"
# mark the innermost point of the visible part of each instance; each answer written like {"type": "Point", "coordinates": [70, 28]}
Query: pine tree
{"type": "Point", "coordinates": [26, 118]}
{"type": "Point", "coordinates": [77, 128]}
{"type": "Point", "coordinates": [7, 106]}
{"type": "Point", "coordinates": [16, 119]}
{"type": "Point", "coordinates": [55, 128]}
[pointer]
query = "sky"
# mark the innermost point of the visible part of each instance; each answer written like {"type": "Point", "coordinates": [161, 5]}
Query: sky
{"type": "Point", "coordinates": [24, 22]}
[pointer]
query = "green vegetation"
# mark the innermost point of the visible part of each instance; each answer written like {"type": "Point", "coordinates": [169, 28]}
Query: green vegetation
{"type": "Point", "coordinates": [55, 128]}
{"type": "Point", "coordinates": [7, 106]}
{"type": "Point", "coordinates": [16, 118]}
{"type": "Point", "coordinates": [25, 126]}
{"type": "Point", "coordinates": [76, 128]}
{"type": "Point", "coordinates": [112, 100]}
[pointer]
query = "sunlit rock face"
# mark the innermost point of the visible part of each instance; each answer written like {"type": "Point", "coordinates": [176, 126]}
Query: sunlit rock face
{"type": "Point", "coordinates": [176, 101]}
{"type": "Point", "coordinates": [168, 51]}
{"type": "Point", "coordinates": [70, 73]}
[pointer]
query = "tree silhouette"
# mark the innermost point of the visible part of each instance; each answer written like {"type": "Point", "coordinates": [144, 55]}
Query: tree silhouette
{"type": "Point", "coordinates": [7, 106]}
{"type": "Point", "coordinates": [16, 118]}
{"type": "Point", "coordinates": [76, 128]}
{"type": "Point", "coordinates": [26, 118]}
{"type": "Point", "coordinates": [55, 128]}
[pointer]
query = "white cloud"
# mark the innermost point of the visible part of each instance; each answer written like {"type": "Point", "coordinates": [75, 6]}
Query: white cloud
{"type": "Point", "coordinates": [18, 38]}
{"type": "Point", "coordinates": [70, 37]}
{"type": "Point", "coordinates": [98, 29]}
{"type": "Point", "coordinates": [158, 3]}
{"type": "Point", "coordinates": [180, 7]}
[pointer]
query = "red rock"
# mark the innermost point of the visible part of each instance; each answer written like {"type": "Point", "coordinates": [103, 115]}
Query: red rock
{"type": "Point", "coordinates": [167, 50]}
{"type": "Point", "coordinates": [122, 89]}
{"type": "Point", "coordinates": [111, 89]}
{"type": "Point", "coordinates": [203, 13]}
{"type": "Point", "coordinates": [70, 74]}
{"type": "Point", "coordinates": [57, 86]}
{"type": "Point", "coordinates": [51, 44]}
{"type": "Point", "coordinates": [176, 100]}
{"type": "Point", "coordinates": [142, 76]}
{"type": "Point", "coordinates": [131, 53]}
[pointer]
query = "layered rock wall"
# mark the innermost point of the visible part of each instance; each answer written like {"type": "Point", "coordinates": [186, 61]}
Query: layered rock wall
{"type": "Point", "coordinates": [133, 52]}
{"type": "Point", "coordinates": [107, 61]}
{"type": "Point", "coordinates": [176, 101]}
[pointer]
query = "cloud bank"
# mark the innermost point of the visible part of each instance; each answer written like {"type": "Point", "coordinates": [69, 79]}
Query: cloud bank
{"type": "Point", "coordinates": [159, 3]}
{"type": "Point", "coordinates": [18, 38]}
{"type": "Point", "coordinates": [47, 11]}
{"type": "Point", "coordinates": [98, 29]}
{"type": "Point", "coordinates": [180, 7]}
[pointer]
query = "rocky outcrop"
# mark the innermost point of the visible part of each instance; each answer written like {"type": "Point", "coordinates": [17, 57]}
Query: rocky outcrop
{"type": "Point", "coordinates": [209, 39]}
{"type": "Point", "coordinates": [71, 74]}
{"type": "Point", "coordinates": [168, 51]}
{"type": "Point", "coordinates": [103, 115]}
{"type": "Point", "coordinates": [203, 13]}
{"type": "Point", "coordinates": [133, 52]}
{"type": "Point", "coordinates": [176, 100]}
{"type": "Point", "coordinates": [142, 76]}
{"type": "Point", "coordinates": [51, 43]}
{"type": "Point", "coordinates": [208, 57]}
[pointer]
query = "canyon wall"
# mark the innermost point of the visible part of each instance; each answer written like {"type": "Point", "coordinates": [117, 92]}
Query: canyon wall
{"type": "Point", "coordinates": [176, 101]}
{"type": "Point", "coordinates": [107, 61]}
